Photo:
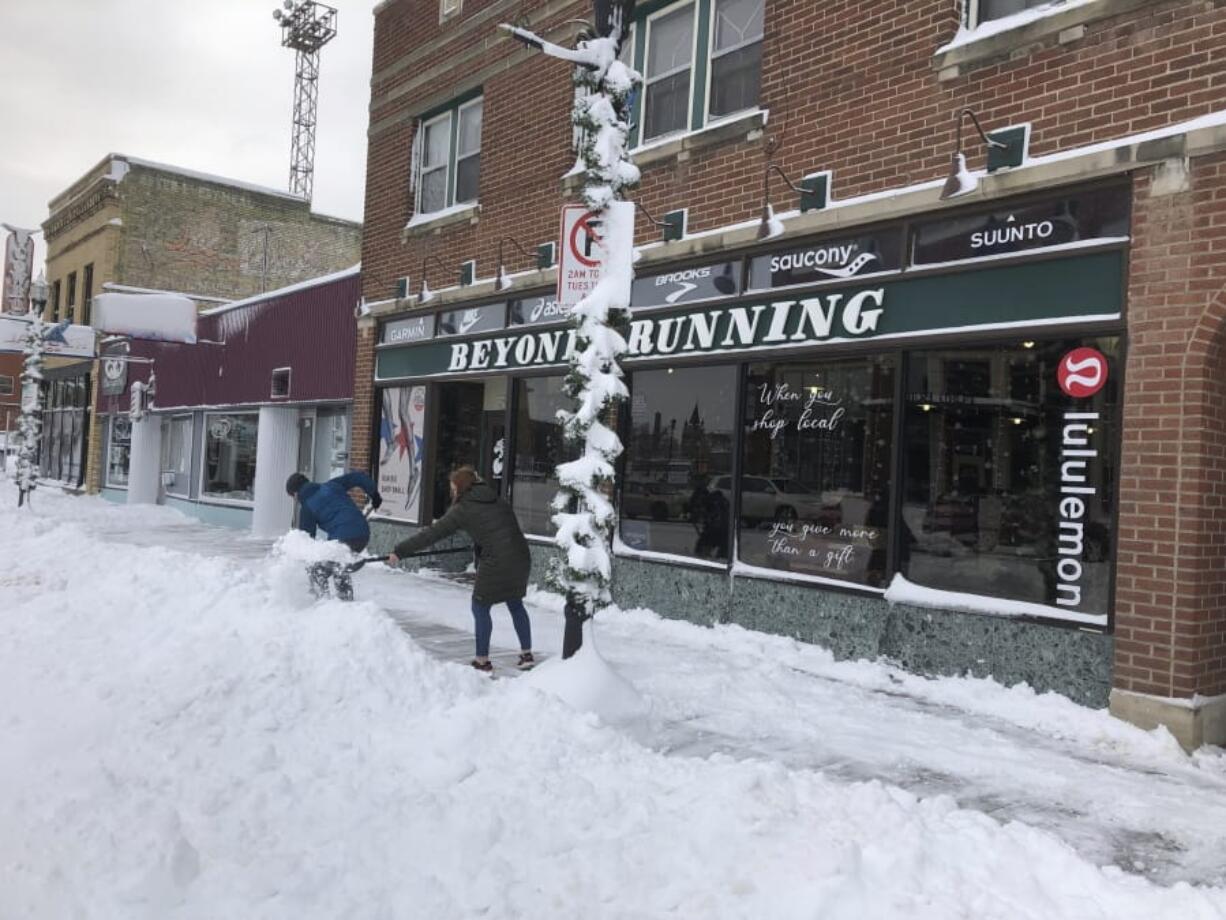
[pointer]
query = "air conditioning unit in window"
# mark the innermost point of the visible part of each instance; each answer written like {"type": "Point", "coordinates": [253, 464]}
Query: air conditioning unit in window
{"type": "Point", "coordinates": [280, 382]}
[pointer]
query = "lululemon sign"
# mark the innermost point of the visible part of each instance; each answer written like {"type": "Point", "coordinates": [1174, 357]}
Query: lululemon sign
{"type": "Point", "coordinates": [1082, 372]}
{"type": "Point", "coordinates": [584, 243]}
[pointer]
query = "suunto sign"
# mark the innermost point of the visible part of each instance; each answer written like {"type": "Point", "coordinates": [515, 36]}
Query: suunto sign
{"type": "Point", "coordinates": [1098, 215]}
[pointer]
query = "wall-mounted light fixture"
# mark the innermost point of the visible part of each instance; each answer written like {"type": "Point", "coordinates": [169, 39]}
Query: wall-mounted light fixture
{"type": "Point", "coordinates": [673, 224]}
{"type": "Point", "coordinates": [425, 295]}
{"type": "Point", "coordinates": [1004, 150]}
{"type": "Point", "coordinates": [501, 280]}
{"type": "Point", "coordinates": [814, 191]}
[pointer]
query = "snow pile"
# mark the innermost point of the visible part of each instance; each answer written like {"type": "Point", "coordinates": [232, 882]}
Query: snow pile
{"type": "Point", "coordinates": [162, 317]}
{"type": "Point", "coordinates": [587, 683]}
{"type": "Point", "coordinates": [181, 741]}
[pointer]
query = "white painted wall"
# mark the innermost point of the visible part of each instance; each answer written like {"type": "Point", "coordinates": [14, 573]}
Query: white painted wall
{"type": "Point", "coordinates": [276, 456]}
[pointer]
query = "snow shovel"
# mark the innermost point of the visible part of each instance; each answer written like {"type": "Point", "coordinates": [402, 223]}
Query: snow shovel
{"type": "Point", "coordinates": [321, 573]}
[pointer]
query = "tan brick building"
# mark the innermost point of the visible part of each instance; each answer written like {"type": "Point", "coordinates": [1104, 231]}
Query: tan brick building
{"type": "Point", "coordinates": [977, 432]}
{"type": "Point", "coordinates": [133, 225]}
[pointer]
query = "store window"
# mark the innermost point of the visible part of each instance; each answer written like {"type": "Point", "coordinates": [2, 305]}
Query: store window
{"type": "Point", "coordinates": [736, 55]}
{"type": "Point", "coordinates": [539, 448]}
{"type": "Point", "coordinates": [449, 157]}
{"type": "Point", "coordinates": [229, 456]}
{"type": "Point", "coordinates": [1010, 471]}
{"type": "Point", "coordinates": [62, 451]}
{"type": "Point", "coordinates": [177, 455]}
{"type": "Point", "coordinates": [680, 443]}
{"type": "Point", "coordinates": [402, 446]}
{"type": "Point", "coordinates": [118, 451]}
{"type": "Point", "coordinates": [815, 485]}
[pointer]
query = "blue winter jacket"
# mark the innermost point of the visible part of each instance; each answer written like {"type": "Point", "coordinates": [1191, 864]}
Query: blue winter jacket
{"type": "Point", "coordinates": [329, 506]}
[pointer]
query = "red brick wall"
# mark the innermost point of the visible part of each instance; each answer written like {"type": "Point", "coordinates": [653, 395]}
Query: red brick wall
{"type": "Point", "coordinates": [848, 90]}
{"type": "Point", "coordinates": [1171, 580]}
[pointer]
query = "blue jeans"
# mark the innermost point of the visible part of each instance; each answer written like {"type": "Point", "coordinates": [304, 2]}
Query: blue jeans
{"type": "Point", "coordinates": [485, 625]}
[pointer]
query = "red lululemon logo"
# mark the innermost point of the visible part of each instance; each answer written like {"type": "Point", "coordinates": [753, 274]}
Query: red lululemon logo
{"type": "Point", "coordinates": [1082, 372]}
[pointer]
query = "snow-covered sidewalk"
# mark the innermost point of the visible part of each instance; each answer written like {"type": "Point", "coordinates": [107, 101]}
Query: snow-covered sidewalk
{"type": "Point", "coordinates": [183, 733]}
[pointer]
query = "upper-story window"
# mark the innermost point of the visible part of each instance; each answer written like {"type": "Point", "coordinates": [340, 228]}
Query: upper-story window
{"type": "Point", "coordinates": [448, 8]}
{"type": "Point", "coordinates": [71, 304]}
{"type": "Point", "coordinates": [449, 166]}
{"type": "Point", "coordinates": [87, 294]}
{"type": "Point", "coordinates": [700, 62]}
{"type": "Point", "coordinates": [984, 10]}
{"type": "Point", "coordinates": [55, 300]}
{"type": "Point", "coordinates": [736, 56]}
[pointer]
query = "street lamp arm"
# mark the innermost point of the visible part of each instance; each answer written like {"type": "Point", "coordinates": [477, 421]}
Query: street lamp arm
{"type": "Point", "coordinates": [580, 56]}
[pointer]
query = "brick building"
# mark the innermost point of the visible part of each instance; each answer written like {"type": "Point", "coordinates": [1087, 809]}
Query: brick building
{"type": "Point", "coordinates": [130, 225]}
{"type": "Point", "coordinates": [973, 427]}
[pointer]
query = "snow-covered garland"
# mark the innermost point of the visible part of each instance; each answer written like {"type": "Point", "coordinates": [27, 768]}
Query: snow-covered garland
{"type": "Point", "coordinates": [584, 512]}
{"type": "Point", "coordinates": [31, 423]}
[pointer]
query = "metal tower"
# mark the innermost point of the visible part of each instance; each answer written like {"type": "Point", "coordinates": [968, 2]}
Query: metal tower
{"type": "Point", "coordinates": [306, 26]}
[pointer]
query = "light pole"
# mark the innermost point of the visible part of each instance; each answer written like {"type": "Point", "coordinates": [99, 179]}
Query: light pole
{"type": "Point", "coordinates": [31, 422]}
{"type": "Point", "coordinates": [584, 512]}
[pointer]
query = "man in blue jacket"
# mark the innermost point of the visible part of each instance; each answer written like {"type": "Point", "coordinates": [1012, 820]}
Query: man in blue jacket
{"type": "Point", "coordinates": [329, 506]}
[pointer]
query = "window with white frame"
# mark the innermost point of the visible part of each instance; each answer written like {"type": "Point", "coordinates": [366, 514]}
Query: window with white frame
{"type": "Point", "coordinates": [468, 151]}
{"type": "Point", "coordinates": [985, 10]}
{"type": "Point", "coordinates": [449, 158]}
{"type": "Point", "coordinates": [435, 153]}
{"type": "Point", "coordinates": [229, 456]}
{"type": "Point", "coordinates": [700, 62]}
{"type": "Point", "coordinates": [736, 56]}
{"type": "Point", "coordinates": [668, 71]}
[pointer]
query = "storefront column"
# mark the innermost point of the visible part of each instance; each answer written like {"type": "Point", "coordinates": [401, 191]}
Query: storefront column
{"type": "Point", "coordinates": [145, 461]}
{"type": "Point", "coordinates": [276, 456]}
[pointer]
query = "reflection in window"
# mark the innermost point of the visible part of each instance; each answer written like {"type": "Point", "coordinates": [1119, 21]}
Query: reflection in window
{"type": "Point", "coordinates": [681, 441]}
{"type": "Point", "coordinates": [62, 442]}
{"type": "Point", "coordinates": [119, 451]}
{"type": "Point", "coordinates": [539, 448]}
{"type": "Point", "coordinates": [815, 484]}
{"type": "Point", "coordinates": [989, 448]}
{"type": "Point", "coordinates": [998, 9]}
{"type": "Point", "coordinates": [229, 456]}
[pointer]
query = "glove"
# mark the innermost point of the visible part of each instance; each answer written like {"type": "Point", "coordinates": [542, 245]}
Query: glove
{"type": "Point", "coordinates": [375, 501]}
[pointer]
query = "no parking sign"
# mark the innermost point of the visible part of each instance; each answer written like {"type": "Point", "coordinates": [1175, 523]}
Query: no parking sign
{"type": "Point", "coordinates": [583, 246]}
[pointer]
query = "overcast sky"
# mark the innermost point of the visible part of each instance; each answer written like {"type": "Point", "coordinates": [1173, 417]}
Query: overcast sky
{"type": "Point", "coordinates": [203, 84]}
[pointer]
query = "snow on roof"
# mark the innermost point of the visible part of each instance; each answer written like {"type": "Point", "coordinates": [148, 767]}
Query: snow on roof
{"type": "Point", "coordinates": [289, 289]}
{"type": "Point", "coordinates": [203, 177]}
{"type": "Point", "coordinates": [131, 289]}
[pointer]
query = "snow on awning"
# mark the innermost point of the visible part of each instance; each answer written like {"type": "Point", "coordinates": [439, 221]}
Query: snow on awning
{"type": "Point", "coordinates": [161, 317]}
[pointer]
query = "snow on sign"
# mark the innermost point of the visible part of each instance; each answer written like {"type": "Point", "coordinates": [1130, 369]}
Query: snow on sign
{"type": "Point", "coordinates": [164, 317]}
{"type": "Point", "coordinates": [62, 339]}
{"type": "Point", "coordinates": [583, 247]}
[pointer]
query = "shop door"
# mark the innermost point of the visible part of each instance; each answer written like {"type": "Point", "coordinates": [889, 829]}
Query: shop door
{"type": "Point", "coordinates": [471, 432]}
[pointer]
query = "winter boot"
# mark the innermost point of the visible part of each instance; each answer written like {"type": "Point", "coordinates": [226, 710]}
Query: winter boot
{"type": "Point", "coordinates": [526, 662]}
{"type": "Point", "coordinates": [486, 667]}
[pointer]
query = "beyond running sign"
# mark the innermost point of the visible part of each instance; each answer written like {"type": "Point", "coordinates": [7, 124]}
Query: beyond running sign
{"type": "Point", "coordinates": [813, 319]}
{"type": "Point", "coordinates": [1007, 296]}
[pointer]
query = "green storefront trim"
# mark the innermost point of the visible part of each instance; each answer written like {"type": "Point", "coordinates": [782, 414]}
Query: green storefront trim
{"type": "Point", "coordinates": [1018, 297]}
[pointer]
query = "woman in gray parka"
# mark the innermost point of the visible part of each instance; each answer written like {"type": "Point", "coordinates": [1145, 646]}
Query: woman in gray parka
{"type": "Point", "coordinates": [503, 562]}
